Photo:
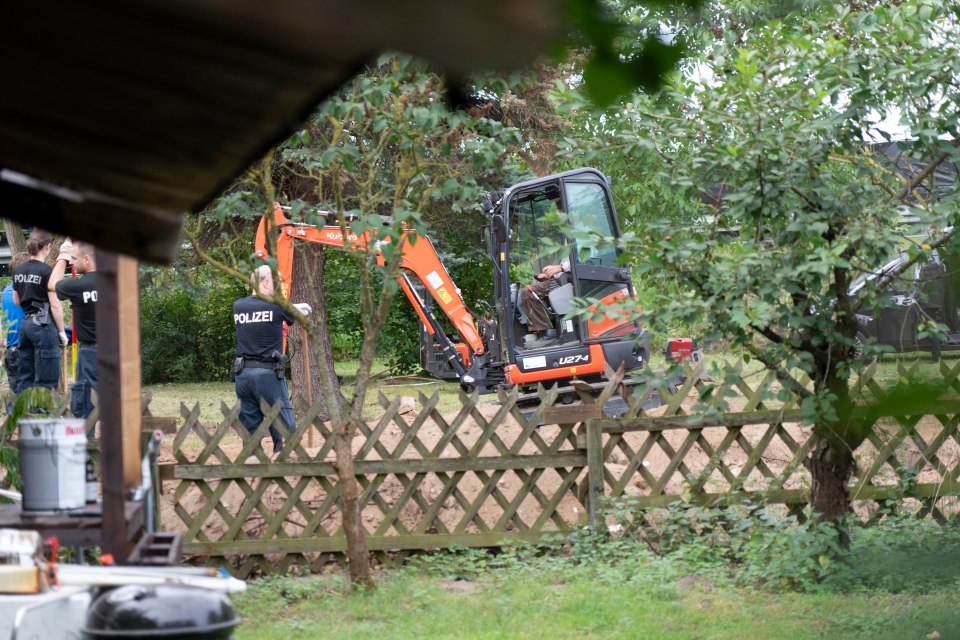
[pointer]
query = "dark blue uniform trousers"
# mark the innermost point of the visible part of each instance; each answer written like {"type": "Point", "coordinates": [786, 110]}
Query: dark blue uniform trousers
{"type": "Point", "coordinates": [81, 403]}
{"type": "Point", "coordinates": [39, 355]}
{"type": "Point", "coordinates": [252, 385]}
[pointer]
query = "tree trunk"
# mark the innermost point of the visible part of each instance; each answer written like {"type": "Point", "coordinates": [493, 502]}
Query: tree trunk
{"type": "Point", "coordinates": [831, 461]}
{"type": "Point", "coordinates": [358, 555]}
{"type": "Point", "coordinates": [55, 251]}
{"type": "Point", "coordinates": [308, 266]}
{"type": "Point", "coordinates": [831, 464]}
{"type": "Point", "coordinates": [14, 233]}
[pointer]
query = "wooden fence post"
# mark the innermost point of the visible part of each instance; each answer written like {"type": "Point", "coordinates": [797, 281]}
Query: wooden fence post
{"type": "Point", "coordinates": [118, 371]}
{"type": "Point", "coordinates": [594, 469]}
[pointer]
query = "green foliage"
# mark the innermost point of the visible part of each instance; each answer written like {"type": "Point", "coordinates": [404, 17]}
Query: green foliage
{"type": "Point", "coordinates": [620, 62]}
{"type": "Point", "coordinates": [772, 131]}
{"type": "Point", "coordinates": [36, 401]}
{"type": "Point", "coordinates": [341, 286]}
{"type": "Point", "coordinates": [759, 545]}
{"type": "Point", "coordinates": [744, 545]}
{"type": "Point", "coordinates": [187, 332]}
{"type": "Point", "coordinates": [292, 588]}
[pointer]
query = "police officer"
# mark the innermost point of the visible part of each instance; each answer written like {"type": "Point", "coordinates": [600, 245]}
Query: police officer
{"type": "Point", "coordinates": [82, 294]}
{"type": "Point", "coordinates": [41, 330]}
{"type": "Point", "coordinates": [12, 315]}
{"type": "Point", "coordinates": [259, 366]}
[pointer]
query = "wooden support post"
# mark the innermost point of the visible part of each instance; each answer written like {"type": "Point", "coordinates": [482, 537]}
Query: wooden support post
{"type": "Point", "coordinates": [118, 373]}
{"type": "Point", "coordinates": [594, 469]}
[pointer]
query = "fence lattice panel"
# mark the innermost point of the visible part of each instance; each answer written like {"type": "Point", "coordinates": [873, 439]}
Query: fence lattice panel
{"type": "Point", "coordinates": [491, 473]}
{"type": "Point", "coordinates": [484, 476]}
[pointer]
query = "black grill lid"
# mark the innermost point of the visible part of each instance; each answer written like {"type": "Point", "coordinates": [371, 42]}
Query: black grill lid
{"type": "Point", "coordinates": [167, 611]}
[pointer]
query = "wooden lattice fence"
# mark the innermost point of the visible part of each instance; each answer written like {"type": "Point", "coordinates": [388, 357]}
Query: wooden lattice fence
{"type": "Point", "coordinates": [495, 473]}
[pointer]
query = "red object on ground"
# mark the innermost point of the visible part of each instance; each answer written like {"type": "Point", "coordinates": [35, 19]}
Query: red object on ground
{"type": "Point", "coordinates": [679, 349]}
{"type": "Point", "coordinates": [54, 545]}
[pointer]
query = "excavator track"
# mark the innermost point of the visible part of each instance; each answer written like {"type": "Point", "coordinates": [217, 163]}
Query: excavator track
{"type": "Point", "coordinates": [569, 395]}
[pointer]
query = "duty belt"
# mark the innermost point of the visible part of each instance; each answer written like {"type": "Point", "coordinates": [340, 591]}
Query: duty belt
{"type": "Point", "coordinates": [258, 364]}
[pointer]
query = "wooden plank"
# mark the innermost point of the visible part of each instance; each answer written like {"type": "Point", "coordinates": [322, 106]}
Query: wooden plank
{"type": "Point", "coordinates": [471, 510]}
{"type": "Point", "coordinates": [379, 467]}
{"type": "Point", "coordinates": [733, 419]}
{"type": "Point", "coordinates": [391, 515]}
{"type": "Point", "coordinates": [166, 471]}
{"type": "Point", "coordinates": [659, 423]}
{"type": "Point", "coordinates": [526, 488]}
{"type": "Point", "coordinates": [191, 419]}
{"type": "Point", "coordinates": [549, 507]}
{"type": "Point", "coordinates": [793, 496]}
{"type": "Point", "coordinates": [158, 549]}
{"type": "Point", "coordinates": [128, 286]}
{"type": "Point", "coordinates": [430, 511]}
{"type": "Point", "coordinates": [73, 529]}
{"type": "Point", "coordinates": [893, 492]}
{"type": "Point", "coordinates": [676, 459]}
{"type": "Point", "coordinates": [449, 430]}
{"type": "Point", "coordinates": [275, 522]}
{"type": "Point", "coordinates": [118, 366]}
{"type": "Point", "coordinates": [786, 496]}
{"type": "Point", "coordinates": [338, 544]}
{"type": "Point", "coordinates": [108, 368]}
{"type": "Point", "coordinates": [564, 414]}
{"type": "Point", "coordinates": [594, 469]}
{"type": "Point", "coordinates": [15, 579]}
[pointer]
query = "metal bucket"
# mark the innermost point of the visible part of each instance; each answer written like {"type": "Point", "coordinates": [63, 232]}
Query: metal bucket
{"type": "Point", "coordinates": [53, 464]}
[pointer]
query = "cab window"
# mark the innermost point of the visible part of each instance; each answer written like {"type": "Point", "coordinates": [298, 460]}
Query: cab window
{"type": "Point", "coordinates": [590, 218]}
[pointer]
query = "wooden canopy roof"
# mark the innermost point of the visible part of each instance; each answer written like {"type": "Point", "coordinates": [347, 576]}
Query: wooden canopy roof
{"type": "Point", "coordinates": [115, 118]}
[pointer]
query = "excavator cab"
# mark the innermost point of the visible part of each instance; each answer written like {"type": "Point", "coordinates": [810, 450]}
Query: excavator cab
{"type": "Point", "coordinates": [526, 238]}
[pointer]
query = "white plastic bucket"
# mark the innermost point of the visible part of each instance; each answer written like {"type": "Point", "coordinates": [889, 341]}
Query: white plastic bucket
{"type": "Point", "coordinates": [53, 455]}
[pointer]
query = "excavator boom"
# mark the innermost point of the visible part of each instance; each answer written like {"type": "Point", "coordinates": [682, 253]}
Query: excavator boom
{"type": "Point", "coordinates": [419, 257]}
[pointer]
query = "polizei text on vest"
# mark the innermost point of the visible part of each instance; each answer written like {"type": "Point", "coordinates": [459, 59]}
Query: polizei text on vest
{"type": "Point", "coordinates": [256, 316]}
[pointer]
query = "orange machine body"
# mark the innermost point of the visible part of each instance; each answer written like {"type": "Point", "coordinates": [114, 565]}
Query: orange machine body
{"type": "Point", "coordinates": [419, 258]}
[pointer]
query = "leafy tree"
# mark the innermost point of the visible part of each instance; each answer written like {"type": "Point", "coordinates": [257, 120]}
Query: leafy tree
{"type": "Point", "coordinates": [776, 120]}
{"type": "Point", "coordinates": [376, 156]}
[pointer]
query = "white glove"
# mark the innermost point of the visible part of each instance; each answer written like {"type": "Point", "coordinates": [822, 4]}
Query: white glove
{"type": "Point", "coordinates": [303, 308]}
{"type": "Point", "coordinates": [63, 339]}
{"type": "Point", "coordinates": [66, 251]}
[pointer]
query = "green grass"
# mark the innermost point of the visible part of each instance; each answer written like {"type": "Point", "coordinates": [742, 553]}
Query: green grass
{"type": "Point", "coordinates": [899, 580]}
{"type": "Point", "coordinates": [639, 600]}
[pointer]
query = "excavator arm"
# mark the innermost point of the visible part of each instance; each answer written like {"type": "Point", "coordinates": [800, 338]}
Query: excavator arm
{"type": "Point", "coordinates": [419, 258]}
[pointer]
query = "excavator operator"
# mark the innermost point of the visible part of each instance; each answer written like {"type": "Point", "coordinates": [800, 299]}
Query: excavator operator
{"type": "Point", "coordinates": [552, 258]}
{"type": "Point", "coordinates": [534, 299]}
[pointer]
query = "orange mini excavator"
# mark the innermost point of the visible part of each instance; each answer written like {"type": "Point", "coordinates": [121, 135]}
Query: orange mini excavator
{"type": "Point", "coordinates": [498, 350]}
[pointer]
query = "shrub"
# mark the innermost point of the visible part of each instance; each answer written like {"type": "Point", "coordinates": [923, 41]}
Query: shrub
{"type": "Point", "coordinates": [187, 328]}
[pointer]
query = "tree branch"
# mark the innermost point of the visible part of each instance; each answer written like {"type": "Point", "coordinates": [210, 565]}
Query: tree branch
{"type": "Point", "coordinates": [891, 275]}
{"type": "Point", "coordinates": [914, 182]}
